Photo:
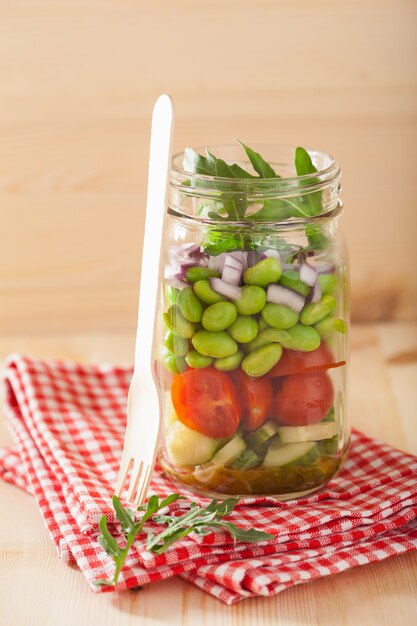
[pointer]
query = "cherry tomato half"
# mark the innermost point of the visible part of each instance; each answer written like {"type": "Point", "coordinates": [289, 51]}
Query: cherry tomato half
{"type": "Point", "coordinates": [297, 362]}
{"type": "Point", "coordinates": [303, 399]}
{"type": "Point", "coordinates": [206, 400]}
{"type": "Point", "coordinates": [255, 397]}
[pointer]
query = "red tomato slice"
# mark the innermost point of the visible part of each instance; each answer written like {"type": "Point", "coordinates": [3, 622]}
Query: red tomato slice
{"type": "Point", "coordinates": [297, 362]}
{"type": "Point", "coordinates": [255, 397]}
{"type": "Point", "coordinates": [303, 399]}
{"type": "Point", "coordinates": [205, 400]}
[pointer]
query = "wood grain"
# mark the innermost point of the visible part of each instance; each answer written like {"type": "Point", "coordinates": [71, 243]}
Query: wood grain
{"type": "Point", "coordinates": [37, 589]}
{"type": "Point", "coordinates": [78, 82]}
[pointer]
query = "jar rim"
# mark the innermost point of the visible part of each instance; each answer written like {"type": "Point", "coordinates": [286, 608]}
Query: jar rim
{"type": "Point", "coordinates": [325, 174]}
{"type": "Point", "coordinates": [183, 182]}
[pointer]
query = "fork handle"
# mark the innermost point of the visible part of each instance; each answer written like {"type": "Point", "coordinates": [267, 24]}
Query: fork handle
{"type": "Point", "coordinates": [159, 164]}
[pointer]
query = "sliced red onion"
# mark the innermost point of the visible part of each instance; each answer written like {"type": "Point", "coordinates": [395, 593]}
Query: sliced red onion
{"type": "Point", "coordinates": [217, 262]}
{"type": "Point", "coordinates": [177, 283]}
{"type": "Point", "coordinates": [232, 270]}
{"type": "Point", "coordinates": [240, 255]}
{"type": "Point", "coordinates": [253, 257]}
{"type": "Point", "coordinates": [325, 268]}
{"type": "Point", "coordinates": [233, 292]}
{"type": "Point", "coordinates": [308, 274]}
{"type": "Point", "coordinates": [277, 294]}
{"type": "Point", "coordinates": [274, 254]}
{"type": "Point", "coordinates": [232, 261]}
{"type": "Point", "coordinates": [315, 293]}
{"type": "Point", "coordinates": [294, 267]}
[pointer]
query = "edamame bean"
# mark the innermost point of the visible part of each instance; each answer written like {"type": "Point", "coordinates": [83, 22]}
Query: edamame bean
{"type": "Point", "coordinates": [263, 273]}
{"type": "Point", "coordinates": [325, 327]}
{"type": "Point", "coordinates": [198, 361]}
{"type": "Point", "coordinates": [171, 294]}
{"type": "Point", "coordinates": [174, 364]}
{"type": "Point", "coordinates": [269, 335]}
{"type": "Point", "coordinates": [189, 305]}
{"type": "Point", "coordinates": [279, 315]}
{"type": "Point", "coordinates": [244, 328]}
{"type": "Point", "coordinates": [203, 290]}
{"type": "Point", "coordinates": [291, 279]}
{"type": "Point", "coordinates": [262, 324]}
{"type": "Point", "coordinates": [229, 363]}
{"type": "Point", "coordinates": [217, 345]}
{"type": "Point", "coordinates": [329, 325]}
{"type": "Point", "coordinates": [176, 344]}
{"type": "Point", "coordinates": [316, 311]}
{"type": "Point", "coordinates": [219, 316]}
{"type": "Point", "coordinates": [328, 283]}
{"type": "Point", "coordinates": [193, 274]}
{"type": "Point", "coordinates": [304, 338]}
{"type": "Point", "coordinates": [177, 322]}
{"type": "Point", "coordinates": [251, 301]}
{"type": "Point", "coordinates": [260, 361]}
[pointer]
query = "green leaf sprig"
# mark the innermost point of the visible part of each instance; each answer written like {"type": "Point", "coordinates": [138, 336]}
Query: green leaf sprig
{"type": "Point", "coordinates": [196, 519]}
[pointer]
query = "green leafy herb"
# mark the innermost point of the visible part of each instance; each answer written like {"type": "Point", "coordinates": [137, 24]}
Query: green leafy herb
{"type": "Point", "coordinates": [196, 519]}
{"type": "Point", "coordinates": [259, 164]}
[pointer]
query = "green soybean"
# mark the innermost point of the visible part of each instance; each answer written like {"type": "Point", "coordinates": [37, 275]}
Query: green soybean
{"type": "Point", "coordinates": [325, 327]}
{"type": "Point", "coordinates": [314, 312]}
{"type": "Point", "coordinates": [174, 364]}
{"type": "Point", "coordinates": [328, 283]}
{"type": "Point", "coordinates": [260, 361]}
{"type": "Point", "coordinates": [244, 328]}
{"type": "Point", "coordinates": [229, 363]}
{"type": "Point", "coordinates": [176, 344]}
{"type": "Point", "coordinates": [193, 274]}
{"type": "Point", "coordinates": [291, 279]}
{"type": "Point", "coordinates": [269, 335]}
{"type": "Point", "coordinates": [198, 361]}
{"type": "Point", "coordinates": [263, 273]}
{"type": "Point", "coordinates": [303, 338]}
{"type": "Point", "coordinates": [203, 290]}
{"type": "Point", "coordinates": [189, 305]}
{"type": "Point", "coordinates": [262, 324]}
{"type": "Point", "coordinates": [177, 322]}
{"type": "Point", "coordinates": [279, 316]}
{"type": "Point", "coordinates": [217, 345]}
{"type": "Point", "coordinates": [251, 301]}
{"type": "Point", "coordinates": [219, 316]}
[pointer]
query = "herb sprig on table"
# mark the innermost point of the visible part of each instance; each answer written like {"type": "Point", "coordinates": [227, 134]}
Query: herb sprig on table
{"type": "Point", "coordinates": [197, 519]}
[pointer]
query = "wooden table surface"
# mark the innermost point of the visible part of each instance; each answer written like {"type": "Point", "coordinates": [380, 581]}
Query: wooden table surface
{"type": "Point", "coordinates": [37, 589]}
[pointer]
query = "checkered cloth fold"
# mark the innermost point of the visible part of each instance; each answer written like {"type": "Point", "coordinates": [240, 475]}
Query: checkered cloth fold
{"type": "Point", "coordinates": [68, 422]}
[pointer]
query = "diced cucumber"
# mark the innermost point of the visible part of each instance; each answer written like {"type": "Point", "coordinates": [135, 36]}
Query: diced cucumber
{"type": "Point", "coordinates": [279, 454]}
{"type": "Point", "coordinates": [313, 432]}
{"type": "Point", "coordinates": [329, 447]}
{"type": "Point", "coordinates": [246, 460]}
{"type": "Point", "coordinates": [188, 447]}
{"type": "Point", "coordinates": [330, 417]}
{"type": "Point", "coordinates": [259, 437]}
{"type": "Point", "coordinates": [230, 452]}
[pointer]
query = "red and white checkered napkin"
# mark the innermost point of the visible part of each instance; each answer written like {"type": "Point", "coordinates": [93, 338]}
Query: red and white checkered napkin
{"type": "Point", "coordinates": [68, 422]}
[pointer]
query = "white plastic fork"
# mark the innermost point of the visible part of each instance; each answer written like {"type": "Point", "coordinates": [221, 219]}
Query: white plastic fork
{"type": "Point", "coordinates": [143, 409]}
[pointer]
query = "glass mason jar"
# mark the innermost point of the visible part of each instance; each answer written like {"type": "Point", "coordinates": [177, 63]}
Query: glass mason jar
{"type": "Point", "coordinates": [251, 340]}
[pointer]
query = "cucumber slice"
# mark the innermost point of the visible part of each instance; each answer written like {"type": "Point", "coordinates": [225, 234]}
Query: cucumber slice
{"type": "Point", "coordinates": [329, 447]}
{"type": "Point", "coordinates": [246, 460]}
{"type": "Point", "coordinates": [259, 437]}
{"type": "Point", "coordinates": [188, 447]}
{"type": "Point", "coordinates": [279, 455]}
{"type": "Point", "coordinates": [314, 432]}
{"type": "Point", "coordinates": [230, 452]}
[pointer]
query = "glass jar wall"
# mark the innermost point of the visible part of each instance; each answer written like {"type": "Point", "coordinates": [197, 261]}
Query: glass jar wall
{"type": "Point", "coordinates": [252, 334]}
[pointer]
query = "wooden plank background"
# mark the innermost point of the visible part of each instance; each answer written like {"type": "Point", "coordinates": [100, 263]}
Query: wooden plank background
{"type": "Point", "coordinates": [78, 79]}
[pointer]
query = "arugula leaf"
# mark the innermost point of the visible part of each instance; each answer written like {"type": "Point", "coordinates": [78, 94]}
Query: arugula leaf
{"type": "Point", "coordinates": [303, 163]}
{"type": "Point", "coordinates": [259, 164]}
{"type": "Point", "coordinates": [196, 519]}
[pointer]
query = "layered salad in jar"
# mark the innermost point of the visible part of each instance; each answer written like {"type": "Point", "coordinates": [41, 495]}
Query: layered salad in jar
{"type": "Point", "coordinates": [253, 355]}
